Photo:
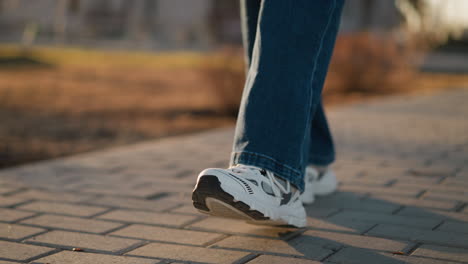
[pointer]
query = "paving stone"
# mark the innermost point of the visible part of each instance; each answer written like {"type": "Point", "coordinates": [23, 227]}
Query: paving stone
{"type": "Point", "coordinates": [418, 235]}
{"type": "Point", "coordinates": [433, 214]}
{"type": "Point", "coordinates": [186, 209]}
{"type": "Point", "coordinates": [12, 231]}
{"type": "Point", "coordinates": [264, 259]}
{"type": "Point", "coordinates": [215, 224]}
{"type": "Point", "coordinates": [348, 200]}
{"type": "Point", "coordinates": [309, 251]}
{"type": "Point", "coordinates": [410, 192]}
{"type": "Point", "coordinates": [401, 201]}
{"type": "Point", "coordinates": [167, 234]}
{"type": "Point", "coordinates": [446, 196]}
{"type": "Point", "coordinates": [67, 239]}
{"type": "Point", "coordinates": [6, 190]}
{"type": "Point", "coordinates": [134, 203]}
{"type": "Point", "coordinates": [120, 190]}
{"type": "Point", "coordinates": [148, 217]}
{"type": "Point", "coordinates": [71, 257]}
{"type": "Point", "coordinates": [442, 253]}
{"type": "Point", "coordinates": [11, 215]}
{"type": "Point", "coordinates": [335, 241]}
{"type": "Point", "coordinates": [188, 253]}
{"type": "Point", "coordinates": [319, 212]}
{"type": "Point", "coordinates": [359, 256]}
{"type": "Point", "coordinates": [11, 201]}
{"type": "Point", "coordinates": [52, 196]}
{"type": "Point", "coordinates": [17, 232]}
{"type": "Point", "coordinates": [338, 225]}
{"type": "Point", "coordinates": [72, 223]}
{"type": "Point", "coordinates": [63, 208]}
{"type": "Point", "coordinates": [456, 227]}
{"type": "Point", "coordinates": [21, 252]}
{"type": "Point", "coordinates": [418, 222]}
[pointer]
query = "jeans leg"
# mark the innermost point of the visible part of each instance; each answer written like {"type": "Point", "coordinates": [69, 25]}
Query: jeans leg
{"type": "Point", "coordinates": [249, 19]}
{"type": "Point", "coordinates": [273, 125]}
{"type": "Point", "coordinates": [321, 148]}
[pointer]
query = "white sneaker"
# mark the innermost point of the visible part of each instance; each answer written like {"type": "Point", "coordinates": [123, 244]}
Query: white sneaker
{"type": "Point", "coordinates": [318, 183]}
{"type": "Point", "coordinates": [248, 193]}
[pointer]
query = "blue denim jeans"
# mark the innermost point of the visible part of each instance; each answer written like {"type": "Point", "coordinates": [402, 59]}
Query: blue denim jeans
{"type": "Point", "coordinates": [281, 124]}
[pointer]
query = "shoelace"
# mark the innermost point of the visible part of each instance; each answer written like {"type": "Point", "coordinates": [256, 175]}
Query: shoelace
{"type": "Point", "coordinates": [271, 177]}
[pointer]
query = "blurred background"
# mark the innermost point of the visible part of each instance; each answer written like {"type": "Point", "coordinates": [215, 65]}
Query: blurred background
{"type": "Point", "coordinates": [80, 75]}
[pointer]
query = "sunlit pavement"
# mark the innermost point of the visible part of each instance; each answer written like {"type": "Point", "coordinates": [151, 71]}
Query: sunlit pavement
{"type": "Point", "coordinates": [402, 163]}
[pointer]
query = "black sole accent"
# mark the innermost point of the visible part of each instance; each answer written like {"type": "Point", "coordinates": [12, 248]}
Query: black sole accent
{"type": "Point", "coordinates": [209, 187]}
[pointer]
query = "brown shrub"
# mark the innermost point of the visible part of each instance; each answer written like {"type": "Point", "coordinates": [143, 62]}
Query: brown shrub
{"type": "Point", "coordinates": [224, 75]}
{"type": "Point", "coordinates": [369, 64]}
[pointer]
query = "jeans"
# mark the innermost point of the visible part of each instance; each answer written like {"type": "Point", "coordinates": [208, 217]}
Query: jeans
{"type": "Point", "coordinates": [281, 125]}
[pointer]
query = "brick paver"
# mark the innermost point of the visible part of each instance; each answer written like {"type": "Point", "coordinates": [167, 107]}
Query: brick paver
{"type": "Point", "coordinates": [14, 232]}
{"type": "Point", "coordinates": [402, 163]}
{"type": "Point", "coordinates": [187, 253]}
{"type": "Point", "coordinates": [87, 242]}
{"type": "Point", "coordinates": [86, 258]}
{"type": "Point", "coordinates": [71, 223]}
{"type": "Point", "coordinates": [21, 252]}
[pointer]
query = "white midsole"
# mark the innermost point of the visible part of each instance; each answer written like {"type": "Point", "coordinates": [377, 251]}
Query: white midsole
{"type": "Point", "coordinates": [292, 215]}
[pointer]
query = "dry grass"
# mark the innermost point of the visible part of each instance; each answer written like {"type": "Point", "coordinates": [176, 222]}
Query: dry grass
{"type": "Point", "coordinates": [56, 102]}
{"type": "Point", "coordinates": [68, 107]}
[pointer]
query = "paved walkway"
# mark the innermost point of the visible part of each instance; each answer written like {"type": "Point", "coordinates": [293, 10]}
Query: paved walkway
{"type": "Point", "coordinates": [403, 165]}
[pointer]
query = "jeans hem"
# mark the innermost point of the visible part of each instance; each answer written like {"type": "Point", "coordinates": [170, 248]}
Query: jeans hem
{"type": "Point", "coordinates": [281, 170]}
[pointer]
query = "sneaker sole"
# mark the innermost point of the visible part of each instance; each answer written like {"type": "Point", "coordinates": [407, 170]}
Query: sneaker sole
{"type": "Point", "coordinates": [209, 198]}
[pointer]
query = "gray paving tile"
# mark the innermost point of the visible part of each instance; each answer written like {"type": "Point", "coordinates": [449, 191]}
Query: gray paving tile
{"type": "Point", "coordinates": [418, 235]}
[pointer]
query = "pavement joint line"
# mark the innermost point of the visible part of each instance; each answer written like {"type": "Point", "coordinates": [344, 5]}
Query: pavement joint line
{"type": "Point", "coordinates": [13, 206]}
{"type": "Point", "coordinates": [19, 190]}
{"type": "Point", "coordinates": [108, 210]}
{"type": "Point", "coordinates": [438, 225]}
{"type": "Point", "coordinates": [247, 258]}
{"type": "Point", "coordinates": [368, 229]}
{"type": "Point", "coordinates": [439, 259]}
{"type": "Point", "coordinates": [172, 208]}
{"type": "Point", "coordinates": [122, 226]}
{"type": "Point", "coordinates": [23, 240]}
{"type": "Point", "coordinates": [17, 221]}
{"type": "Point", "coordinates": [59, 229]}
{"type": "Point", "coordinates": [333, 252]}
{"type": "Point", "coordinates": [165, 260]}
{"type": "Point", "coordinates": [159, 241]}
{"type": "Point", "coordinates": [54, 213]}
{"type": "Point", "coordinates": [420, 194]}
{"type": "Point", "coordinates": [396, 211]}
{"type": "Point", "coordinates": [69, 248]}
{"type": "Point", "coordinates": [461, 207]}
{"type": "Point", "coordinates": [199, 218]}
{"type": "Point", "coordinates": [132, 247]}
{"type": "Point", "coordinates": [156, 196]}
{"type": "Point", "coordinates": [261, 252]}
{"type": "Point", "coordinates": [411, 248]}
{"type": "Point", "coordinates": [53, 251]}
{"type": "Point", "coordinates": [192, 228]}
{"type": "Point", "coordinates": [211, 243]}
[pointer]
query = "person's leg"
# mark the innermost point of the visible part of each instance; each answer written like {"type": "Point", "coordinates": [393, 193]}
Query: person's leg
{"type": "Point", "coordinates": [321, 148]}
{"type": "Point", "coordinates": [278, 103]}
{"type": "Point", "coordinates": [250, 10]}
